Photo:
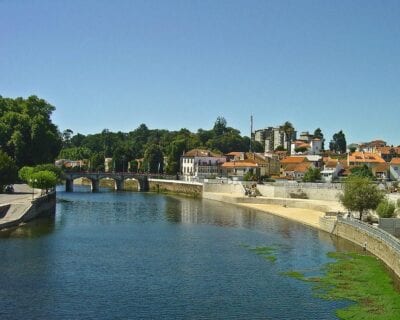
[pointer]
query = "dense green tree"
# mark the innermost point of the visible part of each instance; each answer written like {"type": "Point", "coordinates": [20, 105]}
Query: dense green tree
{"type": "Point", "coordinates": [319, 135]}
{"type": "Point", "coordinates": [96, 162]}
{"type": "Point", "coordinates": [75, 153]}
{"type": "Point", "coordinates": [362, 171]}
{"type": "Point", "coordinates": [338, 143]}
{"type": "Point", "coordinates": [300, 149]}
{"type": "Point", "coordinates": [27, 133]}
{"type": "Point", "coordinates": [312, 175]}
{"type": "Point", "coordinates": [360, 194]}
{"type": "Point", "coordinates": [43, 180]}
{"type": "Point", "coordinates": [153, 159]}
{"type": "Point", "coordinates": [280, 148]}
{"type": "Point", "coordinates": [174, 153]}
{"type": "Point", "coordinates": [8, 170]}
{"type": "Point", "coordinates": [66, 138]}
{"type": "Point", "coordinates": [220, 126]}
{"type": "Point", "coordinates": [288, 129]}
{"type": "Point", "coordinates": [25, 173]}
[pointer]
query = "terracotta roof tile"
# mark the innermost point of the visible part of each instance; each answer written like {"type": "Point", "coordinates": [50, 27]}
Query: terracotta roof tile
{"type": "Point", "coordinates": [365, 157]}
{"type": "Point", "coordinates": [298, 167]}
{"type": "Point", "coordinates": [395, 161]}
{"type": "Point", "coordinates": [288, 160]}
{"type": "Point", "coordinates": [240, 164]}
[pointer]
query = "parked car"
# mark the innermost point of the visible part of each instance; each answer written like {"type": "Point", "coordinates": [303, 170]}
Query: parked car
{"type": "Point", "coordinates": [9, 189]}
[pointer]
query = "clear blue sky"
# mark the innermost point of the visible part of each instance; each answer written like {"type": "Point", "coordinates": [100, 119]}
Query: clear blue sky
{"type": "Point", "coordinates": [173, 64]}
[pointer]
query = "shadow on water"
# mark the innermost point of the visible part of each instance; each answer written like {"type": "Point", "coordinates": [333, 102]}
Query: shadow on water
{"type": "Point", "coordinates": [39, 227]}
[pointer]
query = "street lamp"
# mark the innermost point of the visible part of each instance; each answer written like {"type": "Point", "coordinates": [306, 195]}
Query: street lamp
{"type": "Point", "coordinates": [33, 182]}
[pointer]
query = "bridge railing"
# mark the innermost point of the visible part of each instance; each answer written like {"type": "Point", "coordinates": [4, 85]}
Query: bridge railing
{"type": "Point", "coordinates": [374, 232]}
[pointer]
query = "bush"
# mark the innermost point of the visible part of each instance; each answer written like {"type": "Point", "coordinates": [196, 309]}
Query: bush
{"type": "Point", "coordinates": [386, 209]}
{"type": "Point", "coordinates": [312, 175]}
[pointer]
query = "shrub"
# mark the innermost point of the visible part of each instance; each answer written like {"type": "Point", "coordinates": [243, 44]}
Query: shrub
{"type": "Point", "coordinates": [386, 209]}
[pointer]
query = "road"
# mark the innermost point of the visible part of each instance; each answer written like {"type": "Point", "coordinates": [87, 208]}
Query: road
{"type": "Point", "coordinates": [22, 194]}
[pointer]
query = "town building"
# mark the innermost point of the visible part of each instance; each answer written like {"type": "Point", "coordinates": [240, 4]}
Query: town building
{"type": "Point", "coordinates": [273, 137]}
{"type": "Point", "coordinates": [388, 153]}
{"type": "Point", "coordinates": [294, 167]}
{"type": "Point", "coordinates": [201, 164]}
{"type": "Point", "coordinates": [332, 169]}
{"type": "Point", "coordinates": [394, 169]}
{"type": "Point", "coordinates": [240, 163]}
{"type": "Point", "coordinates": [373, 161]}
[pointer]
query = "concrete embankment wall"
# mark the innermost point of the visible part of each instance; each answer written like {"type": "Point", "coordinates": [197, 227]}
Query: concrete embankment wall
{"type": "Point", "coordinates": [24, 212]}
{"type": "Point", "coordinates": [193, 189]}
{"type": "Point", "coordinates": [44, 205]}
{"type": "Point", "coordinates": [224, 188]}
{"type": "Point", "coordinates": [379, 243]}
{"type": "Point", "coordinates": [312, 191]}
{"type": "Point", "coordinates": [292, 203]}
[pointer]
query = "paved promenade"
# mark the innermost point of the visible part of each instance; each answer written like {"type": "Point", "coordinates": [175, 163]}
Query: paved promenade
{"type": "Point", "coordinates": [19, 201]}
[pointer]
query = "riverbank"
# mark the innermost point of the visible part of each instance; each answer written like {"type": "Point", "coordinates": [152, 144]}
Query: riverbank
{"type": "Point", "coordinates": [24, 205]}
{"type": "Point", "coordinates": [304, 211]}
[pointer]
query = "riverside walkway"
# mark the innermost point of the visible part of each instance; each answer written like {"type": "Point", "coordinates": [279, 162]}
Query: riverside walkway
{"type": "Point", "coordinates": [16, 204]}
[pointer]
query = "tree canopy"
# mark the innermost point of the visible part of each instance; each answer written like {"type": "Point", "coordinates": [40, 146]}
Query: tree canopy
{"type": "Point", "coordinates": [360, 194]}
{"type": "Point", "coordinates": [338, 143]}
{"type": "Point", "coordinates": [8, 170]}
{"type": "Point", "coordinates": [27, 133]}
{"type": "Point", "coordinates": [125, 148]}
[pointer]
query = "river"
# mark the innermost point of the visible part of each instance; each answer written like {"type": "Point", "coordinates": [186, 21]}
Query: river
{"type": "Point", "coordinates": [130, 255]}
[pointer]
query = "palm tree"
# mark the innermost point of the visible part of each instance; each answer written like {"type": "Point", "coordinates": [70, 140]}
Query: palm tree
{"type": "Point", "coordinates": [288, 129]}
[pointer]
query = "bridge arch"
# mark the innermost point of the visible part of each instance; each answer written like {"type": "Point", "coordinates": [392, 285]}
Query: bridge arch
{"type": "Point", "coordinates": [95, 177]}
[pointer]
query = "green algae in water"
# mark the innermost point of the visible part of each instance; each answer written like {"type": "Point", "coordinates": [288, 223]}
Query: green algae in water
{"type": "Point", "coordinates": [359, 278]}
{"type": "Point", "coordinates": [268, 253]}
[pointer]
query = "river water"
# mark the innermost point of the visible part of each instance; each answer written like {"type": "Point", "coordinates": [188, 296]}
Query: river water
{"type": "Point", "coordinates": [148, 256]}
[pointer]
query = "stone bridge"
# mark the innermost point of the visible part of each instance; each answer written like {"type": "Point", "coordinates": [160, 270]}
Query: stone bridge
{"type": "Point", "coordinates": [95, 177]}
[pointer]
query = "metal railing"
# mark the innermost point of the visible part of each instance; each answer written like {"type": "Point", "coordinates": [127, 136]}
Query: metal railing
{"type": "Point", "coordinates": [307, 185]}
{"type": "Point", "coordinates": [377, 233]}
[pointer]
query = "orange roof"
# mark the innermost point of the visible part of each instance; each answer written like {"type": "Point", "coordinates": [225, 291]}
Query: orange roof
{"type": "Point", "coordinates": [381, 167]}
{"type": "Point", "coordinates": [365, 157]}
{"type": "Point", "coordinates": [388, 150]}
{"type": "Point", "coordinates": [298, 167]}
{"type": "Point", "coordinates": [395, 161]}
{"type": "Point", "coordinates": [240, 164]}
{"type": "Point", "coordinates": [289, 160]}
{"type": "Point", "coordinates": [331, 163]}
{"type": "Point", "coordinates": [201, 153]}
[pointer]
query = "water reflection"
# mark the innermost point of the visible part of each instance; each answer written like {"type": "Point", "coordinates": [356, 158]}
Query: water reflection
{"type": "Point", "coordinates": [32, 229]}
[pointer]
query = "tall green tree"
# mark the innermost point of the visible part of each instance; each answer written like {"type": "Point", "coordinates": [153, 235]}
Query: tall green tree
{"type": "Point", "coordinates": [288, 129]}
{"type": "Point", "coordinates": [319, 135]}
{"type": "Point", "coordinates": [153, 159]}
{"type": "Point", "coordinates": [360, 194]}
{"type": "Point", "coordinates": [8, 170]}
{"type": "Point", "coordinates": [220, 126]}
{"type": "Point", "coordinates": [338, 143]}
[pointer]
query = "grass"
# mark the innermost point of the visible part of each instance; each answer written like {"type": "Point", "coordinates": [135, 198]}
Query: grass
{"type": "Point", "coordinates": [360, 278]}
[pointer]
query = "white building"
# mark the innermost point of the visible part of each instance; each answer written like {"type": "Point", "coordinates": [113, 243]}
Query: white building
{"type": "Point", "coordinates": [201, 164]}
{"type": "Point", "coordinates": [332, 169]}
{"type": "Point", "coordinates": [394, 169]}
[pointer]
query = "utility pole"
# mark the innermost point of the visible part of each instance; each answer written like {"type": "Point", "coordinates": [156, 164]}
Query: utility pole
{"type": "Point", "coordinates": [251, 133]}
